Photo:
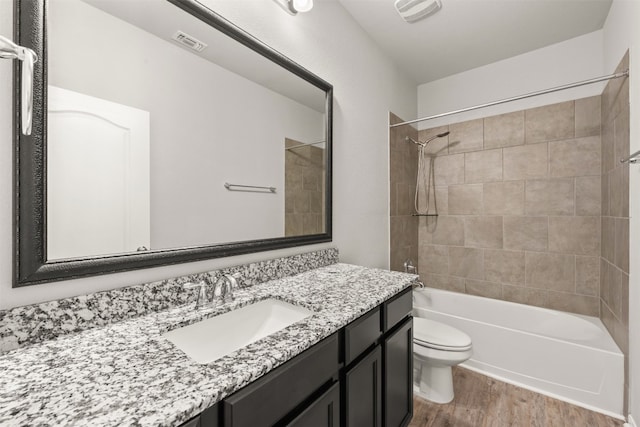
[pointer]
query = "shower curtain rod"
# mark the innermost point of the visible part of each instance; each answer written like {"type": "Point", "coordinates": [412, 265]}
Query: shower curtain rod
{"type": "Point", "coordinates": [516, 98]}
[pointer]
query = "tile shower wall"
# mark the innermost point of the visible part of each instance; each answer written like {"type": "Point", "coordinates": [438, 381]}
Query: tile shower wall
{"type": "Point", "coordinates": [614, 259]}
{"type": "Point", "coordinates": [519, 200]}
{"type": "Point", "coordinates": [402, 175]}
{"type": "Point", "coordinates": [304, 190]}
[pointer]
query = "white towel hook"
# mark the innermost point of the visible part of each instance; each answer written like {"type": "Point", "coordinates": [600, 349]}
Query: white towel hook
{"type": "Point", "coordinates": [10, 50]}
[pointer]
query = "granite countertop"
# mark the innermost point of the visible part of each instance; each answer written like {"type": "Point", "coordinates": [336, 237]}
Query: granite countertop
{"type": "Point", "coordinates": [128, 374]}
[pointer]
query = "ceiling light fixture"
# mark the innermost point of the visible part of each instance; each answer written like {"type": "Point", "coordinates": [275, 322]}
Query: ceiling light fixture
{"type": "Point", "coordinates": [415, 10]}
{"type": "Point", "coordinates": [294, 6]}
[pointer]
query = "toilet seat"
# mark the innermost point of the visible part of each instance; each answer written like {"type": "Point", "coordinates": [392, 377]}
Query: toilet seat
{"type": "Point", "coordinates": [436, 335]}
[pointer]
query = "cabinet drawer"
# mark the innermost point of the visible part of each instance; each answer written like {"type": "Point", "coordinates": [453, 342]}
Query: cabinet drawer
{"type": "Point", "coordinates": [397, 308]}
{"type": "Point", "coordinates": [361, 334]}
{"type": "Point", "coordinates": [323, 412]}
{"type": "Point", "coordinates": [273, 396]}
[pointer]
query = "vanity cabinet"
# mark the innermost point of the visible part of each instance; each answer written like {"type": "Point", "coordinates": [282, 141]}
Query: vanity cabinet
{"type": "Point", "coordinates": [359, 376]}
{"type": "Point", "coordinates": [397, 393]}
{"type": "Point", "coordinates": [363, 391]}
{"type": "Point", "coordinates": [323, 412]}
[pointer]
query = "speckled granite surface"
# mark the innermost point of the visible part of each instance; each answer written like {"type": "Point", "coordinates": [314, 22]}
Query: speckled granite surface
{"type": "Point", "coordinates": [126, 373]}
{"type": "Point", "coordinates": [36, 323]}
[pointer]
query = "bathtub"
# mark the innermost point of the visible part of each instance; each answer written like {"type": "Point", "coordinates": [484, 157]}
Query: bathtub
{"type": "Point", "coordinates": [566, 356]}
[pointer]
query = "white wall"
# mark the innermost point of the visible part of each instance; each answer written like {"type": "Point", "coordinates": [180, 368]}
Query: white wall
{"type": "Point", "coordinates": [366, 87]}
{"type": "Point", "coordinates": [621, 32]}
{"type": "Point", "coordinates": [208, 126]}
{"type": "Point", "coordinates": [570, 61]}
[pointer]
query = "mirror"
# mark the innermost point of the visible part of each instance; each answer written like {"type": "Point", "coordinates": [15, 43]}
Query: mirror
{"type": "Point", "coordinates": [163, 134]}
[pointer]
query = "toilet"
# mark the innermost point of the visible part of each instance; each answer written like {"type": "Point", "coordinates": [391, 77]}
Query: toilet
{"type": "Point", "coordinates": [436, 348]}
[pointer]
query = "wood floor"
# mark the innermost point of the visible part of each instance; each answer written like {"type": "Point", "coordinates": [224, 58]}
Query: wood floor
{"type": "Point", "coordinates": [484, 402]}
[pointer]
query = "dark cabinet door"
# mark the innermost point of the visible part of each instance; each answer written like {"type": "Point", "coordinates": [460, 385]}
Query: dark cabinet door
{"type": "Point", "coordinates": [363, 392]}
{"type": "Point", "coordinates": [323, 412]}
{"type": "Point", "coordinates": [398, 376]}
{"type": "Point", "coordinates": [193, 422]}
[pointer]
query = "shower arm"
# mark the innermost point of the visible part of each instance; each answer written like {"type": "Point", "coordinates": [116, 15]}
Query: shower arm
{"type": "Point", "coordinates": [10, 50]}
{"type": "Point", "coordinates": [424, 144]}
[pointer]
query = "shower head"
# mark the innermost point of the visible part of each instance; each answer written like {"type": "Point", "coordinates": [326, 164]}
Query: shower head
{"type": "Point", "coordinates": [424, 144]}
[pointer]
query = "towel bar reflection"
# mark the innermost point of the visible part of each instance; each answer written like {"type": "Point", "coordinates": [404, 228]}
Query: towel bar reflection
{"type": "Point", "coordinates": [10, 50]}
{"type": "Point", "coordinates": [238, 187]}
{"type": "Point", "coordinates": [634, 158]}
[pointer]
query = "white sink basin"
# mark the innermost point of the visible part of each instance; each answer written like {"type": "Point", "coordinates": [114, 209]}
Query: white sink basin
{"type": "Point", "coordinates": [218, 336]}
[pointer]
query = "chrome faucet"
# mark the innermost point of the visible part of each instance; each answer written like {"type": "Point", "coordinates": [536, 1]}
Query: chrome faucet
{"type": "Point", "coordinates": [224, 287]}
{"type": "Point", "coordinates": [201, 300]}
{"type": "Point", "coordinates": [222, 290]}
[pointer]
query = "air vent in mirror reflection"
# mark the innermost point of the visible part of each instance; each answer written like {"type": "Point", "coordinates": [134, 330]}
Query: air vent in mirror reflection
{"type": "Point", "coordinates": [189, 41]}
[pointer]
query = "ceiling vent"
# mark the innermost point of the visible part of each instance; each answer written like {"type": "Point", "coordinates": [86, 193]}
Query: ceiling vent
{"type": "Point", "coordinates": [414, 10]}
{"type": "Point", "coordinates": [189, 41]}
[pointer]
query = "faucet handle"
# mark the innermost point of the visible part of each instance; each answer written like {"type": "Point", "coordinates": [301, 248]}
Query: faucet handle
{"type": "Point", "coordinates": [202, 292]}
{"type": "Point", "coordinates": [233, 280]}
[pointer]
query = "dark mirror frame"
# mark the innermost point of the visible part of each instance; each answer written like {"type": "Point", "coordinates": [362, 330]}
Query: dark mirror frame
{"type": "Point", "coordinates": [30, 245]}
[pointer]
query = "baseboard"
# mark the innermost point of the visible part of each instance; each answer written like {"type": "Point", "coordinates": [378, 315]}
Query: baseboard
{"type": "Point", "coordinates": [630, 422]}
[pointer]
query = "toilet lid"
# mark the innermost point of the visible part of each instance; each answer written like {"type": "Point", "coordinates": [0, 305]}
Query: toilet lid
{"type": "Point", "coordinates": [438, 335]}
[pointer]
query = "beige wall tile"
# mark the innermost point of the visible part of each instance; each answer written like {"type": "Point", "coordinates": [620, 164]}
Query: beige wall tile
{"type": "Point", "coordinates": [449, 170]}
{"type": "Point", "coordinates": [575, 157]}
{"type": "Point", "coordinates": [466, 262]}
{"type": "Point", "coordinates": [616, 192]}
{"type": "Point", "coordinates": [398, 256]}
{"type": "Point", "coordinates": [621, 246]}
{"type": "Point", "coordinates": [301, 202]}
{"type": "Point", "coordinates": [604, 279]}
{"type": "Point", "coordinates": [522, 295]}
{"type": "Point", "coordinates": [504, 198]}
{"type": "Point", "coordinates": [578, 235]}
{"type": "Point", "coordinates": [588, 116]}
{"type": "Point", "coordinates": [550, 122]}
{"type": "Point", "coordinates": [438, 146]}
{"type": "Point", "coordinates": [441, 200]}
{"type": "Point", "coordinates": [483, 232]}
{"type": "Point", "coordinates": [604, 194]}
{"type": "Point", "coordinates": [550, 271]}
{"type": "Point", "coordinates": [483, 289]}
{"type": "Point", "coordinates": [608, 147]}
{"type": "Point", "coordinates": [446, 230]}
{"type": "Point", "coordinates": [625, 190]}
{"type": "Point", "coordinates": [504, 266]}
{"type": "Point", "coordinates": [526, 233]}
{"type": "Point", "coordinates": [505, 130]}
{"type": "Point", "coordinates": [621, 135]}
{"type": "Point", "coordinates": [580, 304]}
{"type": "Point", "coordinates": [434, 259]}
{"type": "Point", "coordinates": [588, 195]}
{"type": "Point", "coordinates": [614, 297]}
{"type": "Point", "coordinates": [466, 136]}
{"type": "Point", "coordinates": [396, 225]}
{"type": "Point", "coordinates": [526, 162]}
{"type": "Point", "coordinates": [625, 300]}
{"type": "Point", "coordinates": [483, 166]}
{"type": "Point", "coordinates": [465, 199]}
{"type": "Point", "coordinates": [438, 201]}
{"type": "Point", "coordinates": [404, 199]}
{"type": "Point", "coordinates": [608, 227]}
{"type": "Point", "coordinates": [550, 197]}
{"type": "Point", "coordinates": [588, 275]}
{"type": "Point", "coordinates": [439, 281]}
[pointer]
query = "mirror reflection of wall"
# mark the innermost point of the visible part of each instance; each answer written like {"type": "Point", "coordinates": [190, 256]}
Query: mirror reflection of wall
{"type": "Point", "coordinates": [207, 125]}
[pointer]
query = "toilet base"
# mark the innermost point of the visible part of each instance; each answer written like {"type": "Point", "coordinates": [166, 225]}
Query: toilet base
{"type": "Point", "coordinates": [433, 383]}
